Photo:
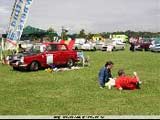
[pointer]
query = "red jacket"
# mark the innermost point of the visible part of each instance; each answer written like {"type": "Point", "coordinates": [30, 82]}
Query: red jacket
{"type": "Point", "coordinates": [126, 82]}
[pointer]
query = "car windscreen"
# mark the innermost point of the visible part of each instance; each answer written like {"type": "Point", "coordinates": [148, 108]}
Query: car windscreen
{"type": "Point", "coordinates": [35, 49]}
{"type": "Point", "coordinates": [52, 47]}
{"type": "Point", "coordinates": [157, 41]}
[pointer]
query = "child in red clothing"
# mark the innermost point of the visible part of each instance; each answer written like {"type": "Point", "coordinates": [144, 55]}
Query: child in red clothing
{"type": "Point", "coordinates": [127, 82]}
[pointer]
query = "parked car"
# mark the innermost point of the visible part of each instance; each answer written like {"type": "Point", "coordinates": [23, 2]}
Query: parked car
{"type": "Point", "coordinates": [143, 44]}
{"type": "Point", "coordinates": [155, 47]}
{"type": "Point", "coordinates": [113, 45]}
{"type": "Point", "coordinates": [78, 43]}
{"type": "Point", "coordinates": [84, 46]}
{"type": "Point", "coordinates": [88, 46]}
{"type": "Point", "coordinates": [43, 55]}
{"type": "Point", "coordinates": [99, 45]}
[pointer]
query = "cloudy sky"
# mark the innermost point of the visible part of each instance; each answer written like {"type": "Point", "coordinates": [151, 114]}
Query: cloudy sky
{"type": "Point", "coordinates": [91, 15]}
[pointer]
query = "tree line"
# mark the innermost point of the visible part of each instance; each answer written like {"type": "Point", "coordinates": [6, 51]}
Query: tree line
{"type": "Point", "coordinates": [51, 34]}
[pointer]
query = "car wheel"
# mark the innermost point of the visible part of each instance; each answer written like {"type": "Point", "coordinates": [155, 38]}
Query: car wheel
{"type": "Point", "coordinates": [34, 66]}
{"type": "Point", "coordinates": [145, 49]}
{"type": "Point", "coordinates": [76, 48]}
{"type": "Point", "coordinates": [15, 68]}
{"type": "Point", "coordinates": [94, 49]}
{"type": "Point", "coordinates": [70, 63]}
{"type": "Point", "coordinates": [113, 49]}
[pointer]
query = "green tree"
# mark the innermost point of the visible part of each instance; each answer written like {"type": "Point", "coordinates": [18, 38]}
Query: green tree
{"type": "Point", "coordinates": [64, 35]}
{"type": "Point", "coordinates": [82, 34]}
{"type": "Point", "coordinates": [105, 34]}
{"type": "Point", "coordinates": [89, 36]}
{"type": "Point", "coordinates": [50, 34]}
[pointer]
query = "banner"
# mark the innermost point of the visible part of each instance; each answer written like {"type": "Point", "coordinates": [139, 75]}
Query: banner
{"type": "Point", "coordinates": [17, 21]}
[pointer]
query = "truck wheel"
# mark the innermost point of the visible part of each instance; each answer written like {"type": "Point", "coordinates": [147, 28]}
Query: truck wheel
{"type": "Point", "coordinates": [34, 66]}
{"type": "Point", "coordinates": [70, 63]}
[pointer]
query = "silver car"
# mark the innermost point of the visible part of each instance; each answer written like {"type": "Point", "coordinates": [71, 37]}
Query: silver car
{"type": "Point", "coordinates": [155, 48]}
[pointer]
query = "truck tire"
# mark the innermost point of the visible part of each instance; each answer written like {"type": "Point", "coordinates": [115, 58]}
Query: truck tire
{"type": "Point", "coordinates": [34, 66]}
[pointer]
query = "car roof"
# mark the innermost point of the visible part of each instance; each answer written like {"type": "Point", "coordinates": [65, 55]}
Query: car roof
{"type": "Point", "coordinates": [47, 43]}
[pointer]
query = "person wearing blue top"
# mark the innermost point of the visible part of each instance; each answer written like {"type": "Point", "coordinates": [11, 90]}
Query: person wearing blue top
{"type": "Point", "coordinates": [105, 74]}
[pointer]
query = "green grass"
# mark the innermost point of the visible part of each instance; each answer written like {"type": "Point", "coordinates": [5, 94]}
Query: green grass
{"type": "Point", "coordinates": [77, 92]}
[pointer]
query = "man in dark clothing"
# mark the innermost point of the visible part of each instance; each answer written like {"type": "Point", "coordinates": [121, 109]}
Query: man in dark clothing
{"type": "Point", "coordinates": [105, 74]}
{"type": "Point", "coordinates": [132, 47]}
{"type": "Point", "coordinates": [20, 49]}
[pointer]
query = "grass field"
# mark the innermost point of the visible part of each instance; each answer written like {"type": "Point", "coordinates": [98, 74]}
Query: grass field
{"type": "Point", "coordinates": [77, 92]}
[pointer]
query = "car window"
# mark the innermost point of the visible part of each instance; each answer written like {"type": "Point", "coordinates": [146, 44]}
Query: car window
{"type": "Point", "coordinates": [62, 47]}
{"type": "Point", "coordinates": [157, 42]}
{"type": "Point", "coordinates": [36, 49]}
{"type": "Point", "coordinates": [52, 47]}
{"type": "Point", "coordinates": [157, 45]}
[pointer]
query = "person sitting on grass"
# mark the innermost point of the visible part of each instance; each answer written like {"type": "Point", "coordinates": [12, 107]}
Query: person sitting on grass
{"type": "Point", "coordinates": [124, 81]}
{"type": "Point", "coordinates": [105, 74]}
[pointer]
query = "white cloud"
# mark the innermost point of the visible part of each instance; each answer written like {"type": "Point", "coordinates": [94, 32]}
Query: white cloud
{"type": "Point", "coordinates": [91, 15]}
{"type": "Point", "coordinates": [3, 10]}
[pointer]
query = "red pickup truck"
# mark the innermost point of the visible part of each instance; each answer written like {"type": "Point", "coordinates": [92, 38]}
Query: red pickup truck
{"type": "Point", "coordinates": [43, 55]}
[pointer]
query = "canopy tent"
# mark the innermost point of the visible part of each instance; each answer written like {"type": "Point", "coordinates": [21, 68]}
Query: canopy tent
{"type": "Point", "coordinates": [30, 31]}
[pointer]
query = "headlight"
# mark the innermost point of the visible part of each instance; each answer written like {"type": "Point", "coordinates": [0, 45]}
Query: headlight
{"type": "Point", "coordinates": [17, 63]}
{"type": "Point", "coordinates": [7, 58]}
{"type": "Point", "coordinates": [22, 59]}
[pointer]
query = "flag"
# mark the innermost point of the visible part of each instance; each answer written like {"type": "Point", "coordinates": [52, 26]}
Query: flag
{"type": "Point", "coordinates": [17, 21]}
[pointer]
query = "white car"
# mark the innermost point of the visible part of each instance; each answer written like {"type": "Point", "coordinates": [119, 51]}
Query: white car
{"type": "Point", "coordinates": [81, 44]}
{"type": "Point", "coordinates": [113, 45]}
{"type": "Point", "coordinates": [99, 45]}
{"type": "Point", "coordinates": [88, 46]}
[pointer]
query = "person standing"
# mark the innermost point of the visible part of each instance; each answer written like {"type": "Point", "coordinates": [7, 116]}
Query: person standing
{"type": "Point", "coordinates": [132, 44]}
{"type": "Point", "coordinates": [20, 49]}
{"type": "Point", "coordinates": [105, 74]}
